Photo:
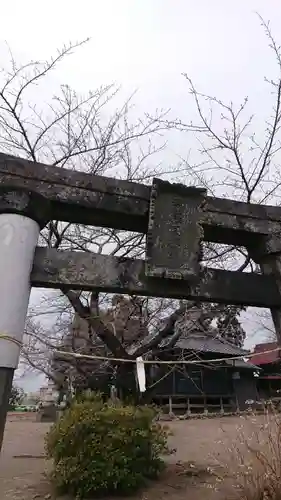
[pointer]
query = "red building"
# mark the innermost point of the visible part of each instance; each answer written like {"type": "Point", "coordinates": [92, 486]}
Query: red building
{"type": "Point", "coordinates": [268, 357]}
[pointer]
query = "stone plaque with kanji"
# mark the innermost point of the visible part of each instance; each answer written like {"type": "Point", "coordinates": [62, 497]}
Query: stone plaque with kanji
{"type": "Point", "coordinates": [174, 231]}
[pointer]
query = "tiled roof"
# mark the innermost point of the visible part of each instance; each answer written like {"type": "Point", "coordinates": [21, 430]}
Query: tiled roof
{"type": "Point", "coordinates": [240, 363]}
{"type": "Point", "coordinates": [260, 358]}
{"type": "Point", "coordinates": [207, 343]}
{"type": "Point", "coordinates": [191, 335]}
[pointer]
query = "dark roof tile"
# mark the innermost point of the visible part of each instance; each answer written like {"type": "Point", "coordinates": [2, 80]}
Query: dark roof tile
{"type": "Point", "coordinates": [207, 343]}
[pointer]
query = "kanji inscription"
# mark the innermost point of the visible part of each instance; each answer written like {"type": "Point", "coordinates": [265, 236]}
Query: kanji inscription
{"type": "Point", "coordinates": [174, 231]}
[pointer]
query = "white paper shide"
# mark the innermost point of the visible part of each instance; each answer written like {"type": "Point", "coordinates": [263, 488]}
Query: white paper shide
{"type": "Point", "coordinates": [141, 374]}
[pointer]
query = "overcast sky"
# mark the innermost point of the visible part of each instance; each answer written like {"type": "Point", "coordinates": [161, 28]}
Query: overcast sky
{"type": "Point", "coordinates": [148, 44]}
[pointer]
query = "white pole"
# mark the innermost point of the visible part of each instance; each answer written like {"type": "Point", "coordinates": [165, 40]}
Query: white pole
{"type": "Point", "coordinates": [18, 240]}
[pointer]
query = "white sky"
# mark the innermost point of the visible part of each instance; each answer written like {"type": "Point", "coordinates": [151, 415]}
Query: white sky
{"type": "Point", "coordinates": [147, 44]}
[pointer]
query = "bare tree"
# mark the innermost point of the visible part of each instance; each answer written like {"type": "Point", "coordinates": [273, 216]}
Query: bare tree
{"type": "Point", "coordinates": [82, 132]}
{"type": "Point", "coordinates": [231, 152]}
{"type": "Point", "coordinates": [235, 158]}
{"type": "Point", "coordinates": [119, 325]}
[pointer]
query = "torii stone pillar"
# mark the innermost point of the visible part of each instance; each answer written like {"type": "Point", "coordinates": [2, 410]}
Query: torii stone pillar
{"type": "Point", "coordinates": [22, 214]}
{"type": "Point", "coordinates": [268, 256]}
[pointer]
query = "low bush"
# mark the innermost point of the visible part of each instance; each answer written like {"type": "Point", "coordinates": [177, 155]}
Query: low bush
{"type": "Point", "coordinates": [105, 448]}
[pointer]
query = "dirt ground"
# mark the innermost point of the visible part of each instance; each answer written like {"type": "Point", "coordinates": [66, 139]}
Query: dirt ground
{"type": "Point", "coordinates": [200, 445]}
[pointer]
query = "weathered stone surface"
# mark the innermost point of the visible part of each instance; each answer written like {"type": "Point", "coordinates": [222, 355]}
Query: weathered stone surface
{"type": "Point", "coordinates": [87, 271]}
{"type": "Point", "coordinates": [267, 253]}
{"type": "Point", "coordinates": [78, 197]}
{"type": "Point", "coordinates": [269, 246]}
{"type": "Point", "coordinates": [232, 229]}
{"type": "Point", "coordinates": [174, 231]}
{"type": "Point", "coordinates": [24, 202]}
{"type": "Point", "coordinates": [88, 199]}
{"type": "Point", "coordinates": [272, 266]}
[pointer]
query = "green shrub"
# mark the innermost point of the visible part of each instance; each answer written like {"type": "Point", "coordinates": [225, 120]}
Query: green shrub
{"type": "Point", "coordinates": [104, 448]}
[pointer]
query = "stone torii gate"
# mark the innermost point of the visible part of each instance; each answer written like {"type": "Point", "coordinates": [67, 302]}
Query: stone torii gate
{"type": "Point", "coordinates": [175, 219]}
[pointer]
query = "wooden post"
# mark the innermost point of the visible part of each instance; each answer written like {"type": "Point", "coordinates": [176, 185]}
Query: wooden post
{"type": "Point", "coordinates": [205, 406]}
{"type": "Point", "coordinates": [170, 406]}
{"type": "Point", "coordinates": [188, 407]}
